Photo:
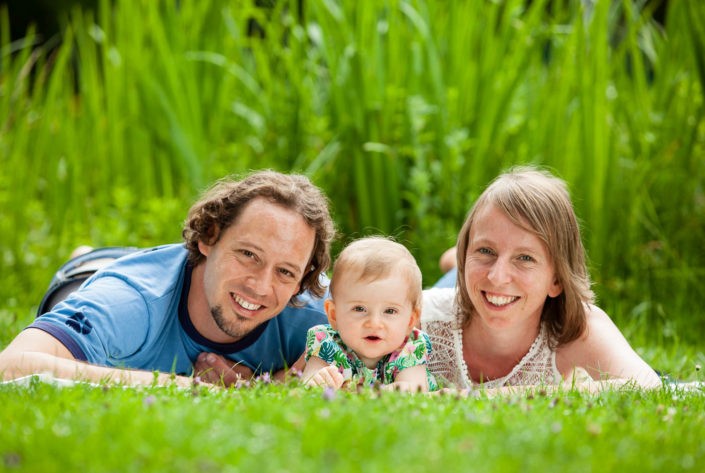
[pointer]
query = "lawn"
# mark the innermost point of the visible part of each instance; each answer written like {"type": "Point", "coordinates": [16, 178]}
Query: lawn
{"type": "Point", "coordinates": [291, 428]}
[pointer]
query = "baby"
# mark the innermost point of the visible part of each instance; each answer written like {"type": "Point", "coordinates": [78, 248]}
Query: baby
{"type": "Point", "coordinates": [374, 305]}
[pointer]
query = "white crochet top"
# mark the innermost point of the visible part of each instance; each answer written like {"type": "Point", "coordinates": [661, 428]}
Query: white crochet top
{"type": "Point", "coordinates": [440, 319]}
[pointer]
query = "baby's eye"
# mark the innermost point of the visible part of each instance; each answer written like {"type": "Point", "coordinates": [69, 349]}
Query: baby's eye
{"type": "Point", "coordinates": [358, 308]}
{"type": "Point", "coordinates": [391, 311]}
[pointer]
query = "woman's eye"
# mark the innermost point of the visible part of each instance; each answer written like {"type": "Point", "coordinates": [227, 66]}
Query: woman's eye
{"type": "Point", "coordinates": [484, 251]}
{"type": "Point", "coordinates": [247, 253]}
{"type": "Point", "coordinates": [526, 258]}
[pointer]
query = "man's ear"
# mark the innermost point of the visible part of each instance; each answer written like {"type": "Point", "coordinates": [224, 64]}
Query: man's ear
{"type": "Point", "coordinates": [329, 307]}
{"type": "Point", "coordinates": [204, 247]}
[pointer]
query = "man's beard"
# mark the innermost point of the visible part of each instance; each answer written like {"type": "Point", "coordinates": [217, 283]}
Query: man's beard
{"type": "Point", "coordinates": [229, 328]}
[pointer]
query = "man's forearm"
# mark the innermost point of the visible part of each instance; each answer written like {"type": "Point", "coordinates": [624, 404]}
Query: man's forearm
{"type": "Point", "coordinates": [18, 364]}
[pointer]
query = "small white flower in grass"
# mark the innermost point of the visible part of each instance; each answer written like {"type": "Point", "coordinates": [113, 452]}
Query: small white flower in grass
{"type": "Point", "coordinates": [265, 378]}
{"type": "Point", "coordinates": [670, 414]}
{"type": "Point", "coordinates": [594, 429]}
{"type": "Point", "coordinates": [328, 393]}
{"type": "Point", "coordinates": [296, 372]}
{"type": "Point", "coordinates": [241, 383]}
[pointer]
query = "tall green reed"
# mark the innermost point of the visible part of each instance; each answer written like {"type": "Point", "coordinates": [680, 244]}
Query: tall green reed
{"type": "Point", "coordinates": [402, 110]}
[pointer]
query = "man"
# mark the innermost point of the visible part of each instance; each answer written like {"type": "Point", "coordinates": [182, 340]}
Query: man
{"type": "Point", "coordinates": [254, 249]}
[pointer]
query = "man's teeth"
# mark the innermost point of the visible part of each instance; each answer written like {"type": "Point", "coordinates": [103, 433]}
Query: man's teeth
{"type": "Point", "coordinates": [245, 304]}
{"type": "Point", "coordinates": [500, 300]}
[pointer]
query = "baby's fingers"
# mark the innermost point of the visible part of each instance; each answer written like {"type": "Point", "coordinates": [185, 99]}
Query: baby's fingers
{"type": "Point", "coordinates": [333, 377]}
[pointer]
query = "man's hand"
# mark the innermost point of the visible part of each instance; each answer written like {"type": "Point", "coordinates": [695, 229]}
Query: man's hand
{"type": "Point", "coordinates": [215, 369]}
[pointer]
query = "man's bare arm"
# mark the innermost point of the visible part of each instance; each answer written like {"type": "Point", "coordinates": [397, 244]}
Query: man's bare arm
{"type": "Point", "coordinates": [34, 351]}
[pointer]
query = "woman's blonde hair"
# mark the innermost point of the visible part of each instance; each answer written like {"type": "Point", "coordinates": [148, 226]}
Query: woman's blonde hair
{"type": "Point", "coordinates": [538, 202]}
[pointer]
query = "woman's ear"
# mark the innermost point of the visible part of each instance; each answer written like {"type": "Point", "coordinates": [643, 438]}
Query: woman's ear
{"type": "Point", "coordinates": [329, 307]}
{"type": "Point", "coordinates": [555, 289]}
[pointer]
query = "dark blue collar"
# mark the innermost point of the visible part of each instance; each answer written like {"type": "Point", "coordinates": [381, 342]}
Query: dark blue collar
{"type": "Point", "coordinates": [187, 325]}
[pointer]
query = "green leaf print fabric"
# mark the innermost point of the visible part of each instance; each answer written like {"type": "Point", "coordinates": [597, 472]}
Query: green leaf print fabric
{"type": "Point", "coordinates": [325, 343]}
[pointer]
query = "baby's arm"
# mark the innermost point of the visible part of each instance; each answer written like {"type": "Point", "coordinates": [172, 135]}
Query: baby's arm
{"type": "Point", "coordinates": [319, 373]}
{"type": "Point", "coordinates": [411, 379]}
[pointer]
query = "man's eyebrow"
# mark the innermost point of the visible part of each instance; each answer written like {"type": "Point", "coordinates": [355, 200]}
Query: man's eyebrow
{"type": "Point", "coordinates": [296, 269]}
{"type": "Point", "coordinates": [253, 246]}
{"type": "Point", "coordinates": [248, 245]}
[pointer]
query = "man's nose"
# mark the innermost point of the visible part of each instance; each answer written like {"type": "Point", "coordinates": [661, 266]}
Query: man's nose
{"type": "Point", "coordinates": [260, 280]}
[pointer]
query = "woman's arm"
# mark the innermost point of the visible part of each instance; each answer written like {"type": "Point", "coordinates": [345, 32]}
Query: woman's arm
{"type": "Point", "coordinates": [605, 354]}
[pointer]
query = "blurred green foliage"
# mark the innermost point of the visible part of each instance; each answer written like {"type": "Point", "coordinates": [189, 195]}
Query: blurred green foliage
{"type": "Point", "coordinates": [400, 110]}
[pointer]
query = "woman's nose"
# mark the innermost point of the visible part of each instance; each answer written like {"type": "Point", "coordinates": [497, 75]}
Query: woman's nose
{"type": "Point", "coordinates": [500, 272]}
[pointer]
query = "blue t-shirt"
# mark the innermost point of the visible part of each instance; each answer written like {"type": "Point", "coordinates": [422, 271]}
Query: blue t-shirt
{"type": "Point", "coordinates": [133, 314]}
{"type": "Point", "coordinates": [448, 279]}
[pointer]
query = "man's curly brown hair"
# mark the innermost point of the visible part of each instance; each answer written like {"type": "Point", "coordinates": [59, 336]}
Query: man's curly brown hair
{"type": "Point", "coordinates": [220, 206]}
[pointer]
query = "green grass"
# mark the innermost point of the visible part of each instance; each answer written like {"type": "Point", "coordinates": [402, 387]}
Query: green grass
{"type": "Point", "coordinates": [274, 428]}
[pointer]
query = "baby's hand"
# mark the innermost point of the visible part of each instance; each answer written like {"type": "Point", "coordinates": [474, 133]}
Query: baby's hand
{"type": "Point", "coordinates": [328, 376]}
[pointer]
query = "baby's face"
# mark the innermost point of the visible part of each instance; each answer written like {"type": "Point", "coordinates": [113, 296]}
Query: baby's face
{"type": "Point", "coordinates": [373, 317]}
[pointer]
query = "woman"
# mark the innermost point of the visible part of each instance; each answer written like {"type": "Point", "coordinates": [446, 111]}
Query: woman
{"type": "Point", "coordinates": [522, 313]}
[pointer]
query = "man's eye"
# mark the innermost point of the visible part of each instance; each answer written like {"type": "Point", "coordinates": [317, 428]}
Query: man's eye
{"type": "Point", "coordinates": [247, 253]}
{"type": "Point", "coordinates": [286, 272]}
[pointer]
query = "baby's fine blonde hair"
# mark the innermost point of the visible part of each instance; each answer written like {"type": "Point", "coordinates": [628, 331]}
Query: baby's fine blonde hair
{"type": "Point", "coordinates": [376, 257]}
